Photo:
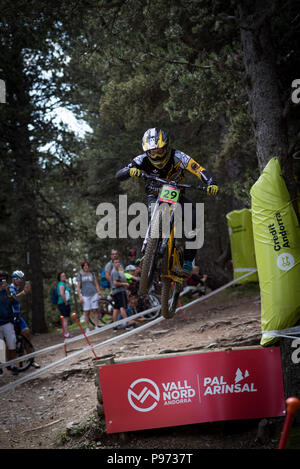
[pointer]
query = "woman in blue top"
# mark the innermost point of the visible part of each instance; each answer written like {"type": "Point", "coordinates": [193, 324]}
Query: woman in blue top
{"type": "Point", "coordinates": [64, 301]}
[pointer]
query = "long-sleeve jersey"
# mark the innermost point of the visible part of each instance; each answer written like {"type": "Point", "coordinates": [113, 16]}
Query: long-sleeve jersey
{"type": "Point", "coordinates": [174, 170]}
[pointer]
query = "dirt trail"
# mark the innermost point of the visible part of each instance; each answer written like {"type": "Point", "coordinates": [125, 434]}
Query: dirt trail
{"type": "Point", "coordinates": [58, 408]}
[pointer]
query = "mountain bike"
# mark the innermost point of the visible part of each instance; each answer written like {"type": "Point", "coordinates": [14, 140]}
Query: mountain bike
{"type": "Point", "coordinates": [163, 252]}
{"type": "Point", "coordinates": [23, 347]}
{"type": "Point", "coordinates": [106, 306]}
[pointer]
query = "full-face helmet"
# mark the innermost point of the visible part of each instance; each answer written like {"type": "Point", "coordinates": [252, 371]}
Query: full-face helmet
{"type": "Point", "coordinates": [156, 143]}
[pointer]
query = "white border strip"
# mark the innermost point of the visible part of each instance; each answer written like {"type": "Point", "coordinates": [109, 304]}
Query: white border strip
{"type": "Point", "coordinates": [24, 379]}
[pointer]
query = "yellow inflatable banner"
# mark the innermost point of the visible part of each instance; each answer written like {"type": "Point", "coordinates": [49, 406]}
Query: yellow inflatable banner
{"type": "Point", "coordinates": [242, 244]}
{"type": "Point", "coordinates": [277, 249]}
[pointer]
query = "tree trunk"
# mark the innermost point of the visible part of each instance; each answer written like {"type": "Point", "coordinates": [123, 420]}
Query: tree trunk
{"type": "Point", "coordinates": [29, 230]}
{"type": "Point", "coordinates": [25, 187]}
{"type": "Point", "coordinates": [263, 88]}
{"type": "Point", "coordinates": [269, 125]}
{"type": "Point", "coordinates": [35, 268]}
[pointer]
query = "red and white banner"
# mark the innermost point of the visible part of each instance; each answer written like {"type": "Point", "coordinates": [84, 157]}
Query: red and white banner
{"type": "Point", "coordinates": [205, 387]}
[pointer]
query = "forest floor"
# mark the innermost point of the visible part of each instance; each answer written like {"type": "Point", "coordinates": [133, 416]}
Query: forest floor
{"type": "Point", "coordinates": [57, 409]}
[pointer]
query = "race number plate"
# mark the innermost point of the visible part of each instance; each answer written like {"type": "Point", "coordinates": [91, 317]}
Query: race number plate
{"type": "Point", "coordinates": [169, 194]}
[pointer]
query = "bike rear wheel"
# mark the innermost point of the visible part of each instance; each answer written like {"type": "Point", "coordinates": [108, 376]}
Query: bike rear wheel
{"type": "Point", "coordinates": [23, 347]}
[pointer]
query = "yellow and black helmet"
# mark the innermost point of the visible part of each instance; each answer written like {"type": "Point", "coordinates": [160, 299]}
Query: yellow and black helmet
{"type": "Point", "coordinates": [156, 143]}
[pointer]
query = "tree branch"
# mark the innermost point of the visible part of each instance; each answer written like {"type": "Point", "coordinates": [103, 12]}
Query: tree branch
{"type": "Point", "coordinates": [252, 22]}
{"type": "Point", "coordinates": [57, 214]}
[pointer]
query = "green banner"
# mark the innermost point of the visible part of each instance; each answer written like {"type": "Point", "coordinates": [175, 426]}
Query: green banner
{"type": "Point", "coordinates": [277, 248]}
{"type": "Point", "coordinates": [242, 244]}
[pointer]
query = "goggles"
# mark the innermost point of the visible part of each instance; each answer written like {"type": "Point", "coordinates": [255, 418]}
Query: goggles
{"type": "Point", "coordinates": [157, 153]}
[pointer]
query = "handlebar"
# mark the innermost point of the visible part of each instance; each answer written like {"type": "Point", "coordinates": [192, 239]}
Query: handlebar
{"type": "Point", "coordinates": [170, 182]}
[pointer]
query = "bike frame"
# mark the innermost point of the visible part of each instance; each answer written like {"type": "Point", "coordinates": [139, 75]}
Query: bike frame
{"type": "Point", "coordinates": [163, 258]}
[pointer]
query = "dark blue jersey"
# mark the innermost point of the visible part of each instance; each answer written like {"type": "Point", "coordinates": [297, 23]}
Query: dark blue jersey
{"type": "Point", "coordinates": [6, 311]}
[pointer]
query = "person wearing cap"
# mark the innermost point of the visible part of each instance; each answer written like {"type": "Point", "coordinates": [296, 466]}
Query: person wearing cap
{"type": "Point", "coordinates": [132, 279]}
{"type": "Point", "coordinates": [7, 330]}
{"type": "Point", "coordinates": [130, 272]}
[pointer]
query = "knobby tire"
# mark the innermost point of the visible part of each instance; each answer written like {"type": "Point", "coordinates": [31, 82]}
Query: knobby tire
{"type": "Point", "coordinates": [149, 259]}
{"type": "Point", "coordinates": [165, 289]}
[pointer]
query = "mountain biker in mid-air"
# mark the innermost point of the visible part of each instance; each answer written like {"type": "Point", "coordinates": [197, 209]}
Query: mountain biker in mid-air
{"type": "Point", "coordinates": [161, 160]}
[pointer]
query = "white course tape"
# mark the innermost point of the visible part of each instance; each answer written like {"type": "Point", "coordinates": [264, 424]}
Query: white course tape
{"type": "Point", "coordinates": [106, 342]}
{"type": "Point", "coordinates": [204, 297]}
{"type": "Point", "coordinates": [81, 337]}
{"type": "Point", "coordinates": [283, 333]}
{"type": "Point", "coordinates": [33, 375]}
{"type": "Point", "coordinates": [244, 269]}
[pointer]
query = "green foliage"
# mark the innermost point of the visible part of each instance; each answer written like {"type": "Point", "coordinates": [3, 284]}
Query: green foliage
{"type": "Point", "coordinates": [126, 103]}
{"type": "Point", "coordinates": [122, 67]}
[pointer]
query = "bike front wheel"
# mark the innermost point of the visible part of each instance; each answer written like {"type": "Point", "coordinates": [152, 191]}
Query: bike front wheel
{"type": "Point", "coordinates": [149, 258]}
{"type": "Point", "coordinates": [166, 312]}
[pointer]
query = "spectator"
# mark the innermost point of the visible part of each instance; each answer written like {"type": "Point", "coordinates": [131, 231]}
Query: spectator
{"type": "Point", "coordinates": [132, 304]}
{"type": "Point", "coordinates": [197, 281]}
{"type": "Point", "coordinates": [89, 293]}
{"type": "Point", "coordinates": [119, 294]}
{"type": "Point", "coordinates": [109, 266]}
{"type": "Point", "coordinates": [64, 301]}
{"type": "Point", "coordinates": [7, 330]}
{"type": "Point", "coordinates": [132, 279]}
{"type": "Point", "coordinates": [131, 256]}
{"type": "Point", "coordinates": [15, 288]}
